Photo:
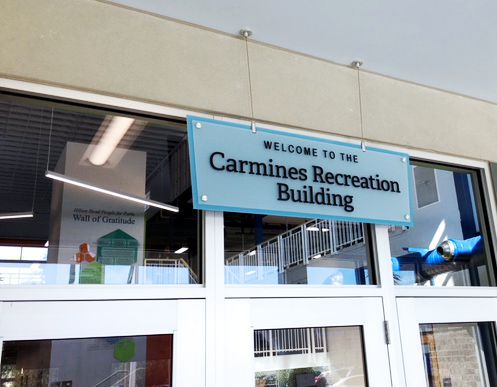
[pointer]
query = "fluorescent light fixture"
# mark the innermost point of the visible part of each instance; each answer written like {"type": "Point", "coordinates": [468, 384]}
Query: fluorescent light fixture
{"type": "Point", "coordinates": [16, 215]}
{"type": "Point", "coordinates": [253, 252]}
{"type": "Point", "coordinates": [317, 256]}
{"type": "Point", "coordinates": [112, 136]}
{"type": "Point", "coordinates": [125, 196]}
{"type": "Point", "coordinates": [181, 250]}
{"type": "Point", "coordinates": [312, 228]}
{"type": "Point", "coordinates": [324, 229]}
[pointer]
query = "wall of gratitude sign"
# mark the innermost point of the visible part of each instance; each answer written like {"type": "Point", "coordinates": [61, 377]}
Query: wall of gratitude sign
{"type": "Point", "coordinates": [280, 173]}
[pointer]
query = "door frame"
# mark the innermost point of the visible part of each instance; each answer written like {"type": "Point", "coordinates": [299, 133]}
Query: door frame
{"type": "Point", "coordinates": [436, 310]}
{"type": "Point", "coordinates": [184, 319]}
{"type": "Point", "coordinates": [244, 316]}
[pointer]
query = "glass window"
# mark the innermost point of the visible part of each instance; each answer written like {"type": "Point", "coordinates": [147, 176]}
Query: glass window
{"type": "Point", "coordinates": [93, 196]}
{"type": "Point", "coordinates": [448, 245]}
{"type": "Point", "coordinates": [425, 182]}
{"type": "Point", "coordinates": [268, 249]}
{"type": "Point", "coordinates": [107, 361]}
{"type": "Point", "coordinates": [459, 355]}
{"type": "Point", "coordinates": [309, 357]}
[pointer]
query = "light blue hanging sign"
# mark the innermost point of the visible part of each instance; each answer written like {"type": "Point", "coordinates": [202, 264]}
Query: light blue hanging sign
{"type": "Point", "coordinates": [278, 173]}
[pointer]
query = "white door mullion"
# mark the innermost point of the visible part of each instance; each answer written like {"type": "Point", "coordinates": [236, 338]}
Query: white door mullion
{"type": "Point", "coordinates": [385, 275]}
{"type": "Point", "coordinates": [215, 301]}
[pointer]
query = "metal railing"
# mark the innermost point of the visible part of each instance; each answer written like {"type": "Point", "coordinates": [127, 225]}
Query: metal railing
{"type": "Point", "coordinates": [168, 270]}
{"type": "Point", "coordinates": [170, 276]}
{"type": "Point", "coordinates": [301, 244]}
{"type": "Point", "coordinates": [290, 341]}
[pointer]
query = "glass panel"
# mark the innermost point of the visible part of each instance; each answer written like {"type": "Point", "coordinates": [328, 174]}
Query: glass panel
{"type": "Point", "coordinates": [459, 355]}
{"type": "Point", "coordinates": [100, 362]}
{"type": "Point", "coordinates": [308, 357]}
{"type": "Point", "coordinates": [447, 245]}
{"type": "Point", "coordinates": [101, 187]}
{"type": "Point", "coordinates": [263, 249]}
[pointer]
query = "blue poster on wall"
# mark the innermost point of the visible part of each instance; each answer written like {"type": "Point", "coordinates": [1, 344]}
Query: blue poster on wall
{"type": "Point", "coordinates": [280, 173]}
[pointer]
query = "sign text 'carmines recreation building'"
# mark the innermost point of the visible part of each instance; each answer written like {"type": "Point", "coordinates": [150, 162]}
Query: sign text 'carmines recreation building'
{"type": "Point", "coordinates": [280, 173]}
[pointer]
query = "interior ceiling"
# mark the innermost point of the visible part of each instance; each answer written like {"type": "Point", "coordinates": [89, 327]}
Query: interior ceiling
{"type": "Point", "coordinates": [26, 142]}
{"type": "Point", "coordinates": [447, 44]}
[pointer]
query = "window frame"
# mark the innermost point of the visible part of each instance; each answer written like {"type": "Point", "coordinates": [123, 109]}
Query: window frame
{"type": "Point", "coordinates": [29, 89]}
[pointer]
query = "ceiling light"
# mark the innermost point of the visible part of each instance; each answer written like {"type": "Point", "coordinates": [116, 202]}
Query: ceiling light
{"type": "Point", "coordinates": [46, 244]}
{"type": "Point", "coordinates": [82, 184]}
{"type": "Point", "coordinates": [312, 228]}
{"type": "Point", "coordinates": [16, 215]}
{"type": "Point", "coordinates": [317, 256]}
{"type": "Point", "coordinates": [253, 252]}
{"type": "Point", "coordinates": [181, 250]}
{"type": "Point", "coordinates": [324, 229]}
{"type": "Point", "coordinates": [112, 136]}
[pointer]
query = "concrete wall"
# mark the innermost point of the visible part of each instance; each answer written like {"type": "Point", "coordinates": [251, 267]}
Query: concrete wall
{"type": "Point", "coordinates": [95, 46]}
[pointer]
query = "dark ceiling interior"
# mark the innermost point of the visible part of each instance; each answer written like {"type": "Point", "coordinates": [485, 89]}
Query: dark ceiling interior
{"type": "Point", "coordinates": [34, 133]}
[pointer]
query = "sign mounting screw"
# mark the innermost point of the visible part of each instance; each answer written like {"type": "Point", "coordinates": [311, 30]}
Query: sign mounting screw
{"type": "Point", "coordinates": [407, 216]}
{"type": "Point", "coordinates": [404, 160]}
{"type": "Point", "coordinates": [204, 198]}
{"type": "Point", "coordinates": [198, 125]}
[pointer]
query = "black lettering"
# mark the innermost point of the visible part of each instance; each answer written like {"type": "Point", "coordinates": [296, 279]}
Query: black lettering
{"type": "Point", "coordinates": [348, 207]}
{"type": "Point", "coordinates": [355, 181]}
{"type": "Point", "coordinates": [293, 173]}
{"type": "Point", "coordinates": [364, 182]}
{"type": "Point", "coordinates": [283, 192]}
{"type": "Point", "coordinates": [242, 164]}
{"type": "Point", "coordinates": [385, 185]}
{"type": "Point", "coordinates": [330, 179]}
{"type": "Point", "coordinates": [231, 165]}
{"type": "Point", "coordinates": [336, 179]}
{"type": "Point", "coordinates": [320, 196]}
{"type": "Point", "coordinates": [258, 167]}
{"type": "Point", "coordinates": [335, 198]}
{"type": "Point", "coordinates": [303, 174]}
{"type": "Point", "coordinates": [395, 186]}
{"type": "Point", "coordinates": [371, 181]}
{"type": "Point", "coordinates": [268, 144]}
{"type": "Point", "coordinates": [296, 195]}
{"type": "Point", "coordinates": [211, 160]}
{"type": "Point", "coordinates": [283, 169]}
{"type": "Point", "coordinates": [317, 173]}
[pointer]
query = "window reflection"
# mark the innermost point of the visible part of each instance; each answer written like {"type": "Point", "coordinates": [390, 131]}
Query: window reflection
{"type": "Point", "coordinates": [459, 354]}
{"type": "Point", "coordinates": [309, 357]}
{"type": "Point", "coordinates": [108, 193]}
{"type": "Point", "coordinates": [277, 250]}
{"type": "Point", "coordinates": [132, 361]}
{"type": "Point", "coordinates": [446, 247]}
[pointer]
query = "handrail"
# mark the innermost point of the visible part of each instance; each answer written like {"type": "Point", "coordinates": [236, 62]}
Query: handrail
{"type": "Point", "coordinates": [128, 375]}
{"type": "Point", "coordinates": [301, 244]}
{"type": "Point", "coordinates": [100, 383]}
{"type": "Point", "coordinates": [290, 341]}
{"type": "Point", "coordinates": [176, 262]}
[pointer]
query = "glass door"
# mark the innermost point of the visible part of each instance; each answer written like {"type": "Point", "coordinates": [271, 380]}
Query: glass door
{"type": "Point", "coordinates": [306, 342]}
{"type": "Point", "coordinates": [448, 342]}
{"type": "Point", "coordinates": [103, 343]}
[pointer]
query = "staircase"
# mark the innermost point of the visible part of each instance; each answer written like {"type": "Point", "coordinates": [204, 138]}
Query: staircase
{"type": "Point", "coordinates": [298, 246]}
